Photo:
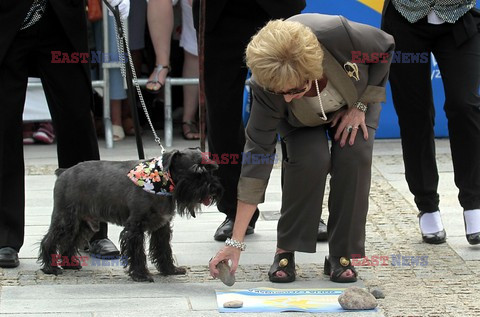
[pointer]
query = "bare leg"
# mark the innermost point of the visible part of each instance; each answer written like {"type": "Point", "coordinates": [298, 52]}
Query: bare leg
{"type": "Point", "coordinates": [116, 116]}
{"type": "Point", "coordinates": [127, 119]}
{"type": "Point", "coordinates": [160, 24]}
{"type": "Point", "coordinates": [116, 112]}
{"type": "Point", "coordinates": [190, 95]}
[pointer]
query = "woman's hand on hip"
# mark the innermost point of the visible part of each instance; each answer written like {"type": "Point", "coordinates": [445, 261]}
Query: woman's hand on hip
{"type": "Point", "coordinates": [348, 123]}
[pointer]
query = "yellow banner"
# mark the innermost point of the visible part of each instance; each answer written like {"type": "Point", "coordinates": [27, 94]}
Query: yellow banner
{"type": "Point", "coordinates": [376, 5]}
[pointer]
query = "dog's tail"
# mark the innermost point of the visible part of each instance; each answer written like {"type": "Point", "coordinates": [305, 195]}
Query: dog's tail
{"type": "Point", "coordinates": [59, 171]}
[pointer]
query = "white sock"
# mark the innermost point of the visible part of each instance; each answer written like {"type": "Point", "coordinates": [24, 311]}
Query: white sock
{"type": "Point", "coordinates": [472, 220]}
{"type": "Point", "coordinates": [431, 222]}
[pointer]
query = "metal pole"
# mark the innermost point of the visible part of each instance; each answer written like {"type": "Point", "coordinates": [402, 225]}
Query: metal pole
{"type": "Point", "coordinates": [107, 121]}
{"type": "Point", "coordinates": [168, 125]}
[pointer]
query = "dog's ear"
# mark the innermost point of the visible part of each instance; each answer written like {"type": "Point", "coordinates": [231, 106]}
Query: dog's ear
{"type": "Point", "coordinates": [168, 158]}
{"type": "Point", "coordinates": [198, 168]}
{"type": "Point", "coordinates": [204, 167]}
{"type": "Point", "coordinates": [59, 171]}
{"type": "Point", "coordinates": [207, 163]}
{"type": "Point", "coordinates": [211, 166]}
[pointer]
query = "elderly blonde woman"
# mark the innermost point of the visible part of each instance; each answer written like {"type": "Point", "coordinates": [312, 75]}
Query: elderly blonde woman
{"type": "Point", "coordinates": [306, 87]}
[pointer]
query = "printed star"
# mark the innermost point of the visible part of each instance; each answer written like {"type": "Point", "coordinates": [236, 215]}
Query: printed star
{"type": "Point", "coordinates": [302, 303]}
{"type": "Point", "coordinates": [298, 303]}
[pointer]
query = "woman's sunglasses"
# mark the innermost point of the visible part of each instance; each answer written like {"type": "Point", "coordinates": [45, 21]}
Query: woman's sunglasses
{"type": "Point", "coordinates": [293, 91]}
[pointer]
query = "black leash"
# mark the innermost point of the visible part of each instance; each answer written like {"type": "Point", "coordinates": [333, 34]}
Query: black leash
{"type": "Point", "coordinates": [201, 84]}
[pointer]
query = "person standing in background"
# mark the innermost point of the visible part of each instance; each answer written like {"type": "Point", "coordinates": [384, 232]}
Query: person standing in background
{"type": "Point", "coordinates": [229, 25]}
{"type": "Point", "coordinates": [29, 32]}
{"type": "Point", "coordinates": [188, 41]}
{"type": "Point", "coordinates": [450, 30]}
{"type": "Point", "coordinates": [120, 109]}
{"type": "Point", "coordinates": [160, 25]}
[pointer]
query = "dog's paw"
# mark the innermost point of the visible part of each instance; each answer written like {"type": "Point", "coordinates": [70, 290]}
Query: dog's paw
{"type": "Point", "coordinates": [142, 277]}
{"type": "Point", "coordinates": [52, 270]}
{"type": "Point", "coordinates": [179, 270]}
{"type": "Point", "coordinates": [175, 270]}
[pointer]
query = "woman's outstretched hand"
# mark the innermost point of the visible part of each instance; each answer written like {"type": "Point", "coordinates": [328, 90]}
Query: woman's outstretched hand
{"type": "Point", "coordinates": [228, 255]}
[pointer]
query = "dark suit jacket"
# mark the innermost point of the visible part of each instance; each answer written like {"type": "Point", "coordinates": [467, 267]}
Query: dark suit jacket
{"type": "Point", "coordinates": [338, 37]}
{"type": "Point", "coordinates": [71, 13]}
{"type": "Point", "coordinates": [276, 9]}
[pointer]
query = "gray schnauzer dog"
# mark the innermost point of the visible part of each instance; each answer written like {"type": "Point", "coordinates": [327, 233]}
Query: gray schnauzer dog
{"type": "Point", "coordinates": [141, 196]}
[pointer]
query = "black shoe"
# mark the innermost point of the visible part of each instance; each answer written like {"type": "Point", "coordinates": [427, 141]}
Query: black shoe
{"type": "Point", "coordinates": [8, 257]}
{"type": "Point", "coordinates": [102, 248]}
{"type": "Point", "coordinates": [433, 238]}
{"type": "Point", "coordinates": [322, 231]}
{"type": "Point", "coordinates": [225, 230]}
{"type": "Point", "coordinates": [473, 238]}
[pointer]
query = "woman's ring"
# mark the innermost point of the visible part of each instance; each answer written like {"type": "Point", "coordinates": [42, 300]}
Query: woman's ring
{"type": "Point", "coordinates": [349, 128]}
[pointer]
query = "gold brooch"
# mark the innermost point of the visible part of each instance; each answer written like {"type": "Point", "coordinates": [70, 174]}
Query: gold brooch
{"type": "Point", "coordinates": [352, 70]}
{"type": "Point", "coordinates": [283, 263]}
{"type": "Point", "coordinates": [344, 261]}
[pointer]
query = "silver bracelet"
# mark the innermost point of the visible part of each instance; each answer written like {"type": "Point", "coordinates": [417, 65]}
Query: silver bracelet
{"type": "Point", "coordinates": [360, 106]}
{"type": "Point", "coordinates": [236, 244]}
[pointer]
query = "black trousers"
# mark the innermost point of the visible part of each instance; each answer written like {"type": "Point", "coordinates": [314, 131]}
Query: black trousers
{"type": "Point", "coordinates": [225, 75]}
{"type": "Point", "coordinates": [69, 94]}
{"type": "Point", "coordinates": [412, 96]}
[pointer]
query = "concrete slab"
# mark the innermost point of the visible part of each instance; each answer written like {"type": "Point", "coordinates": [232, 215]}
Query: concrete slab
{"type": "Point", "coordinates": [94, 304]}
{"type": "Point", "coordinates": [466, 251]}
{"type": "Point", "coordinates": [139, 298]}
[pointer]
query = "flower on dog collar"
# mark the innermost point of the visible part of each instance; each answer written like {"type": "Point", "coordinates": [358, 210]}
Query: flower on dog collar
{"type": "Point", "coordinates": [152, 178]}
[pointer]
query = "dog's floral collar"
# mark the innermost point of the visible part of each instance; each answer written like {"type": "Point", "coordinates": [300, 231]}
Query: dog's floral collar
{"type": "Point", "coordinates": [152, 178]}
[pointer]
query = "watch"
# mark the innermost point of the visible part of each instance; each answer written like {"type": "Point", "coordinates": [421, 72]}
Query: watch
{"type": "Point", "coordinates": [360, 106]}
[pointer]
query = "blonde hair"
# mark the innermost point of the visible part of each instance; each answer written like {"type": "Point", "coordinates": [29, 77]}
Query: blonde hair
{"type": "Point", "coordinates": [284, 53]}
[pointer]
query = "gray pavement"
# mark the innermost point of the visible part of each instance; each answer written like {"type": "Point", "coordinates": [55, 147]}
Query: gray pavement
{"type": "Point", "coordinates": [447, 286]}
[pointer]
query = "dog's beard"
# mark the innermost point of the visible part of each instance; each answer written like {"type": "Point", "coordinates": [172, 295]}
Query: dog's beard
{"type": "Point", "coordinates": [191, 191]}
